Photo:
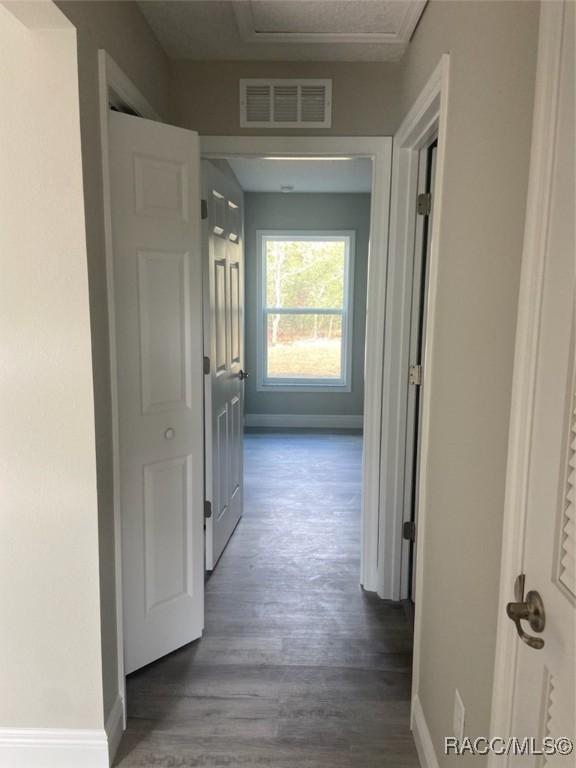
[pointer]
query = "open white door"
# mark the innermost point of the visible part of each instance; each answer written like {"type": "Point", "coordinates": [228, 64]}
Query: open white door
{"type": "Point", "coordinates": [155, 191]}
{"type": "Point", "coordinates": [537, 653]}
{"type": "Point", "coordinates": [224, 345]}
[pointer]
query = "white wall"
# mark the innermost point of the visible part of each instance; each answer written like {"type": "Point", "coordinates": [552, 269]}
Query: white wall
{"type": "Point", "coordinates": [51, 674]}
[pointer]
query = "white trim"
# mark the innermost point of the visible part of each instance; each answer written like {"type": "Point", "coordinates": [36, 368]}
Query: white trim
{"type": "Point", "coordinates": [121, 90]}
{"type": "Point", "coordinates": [420, 126]}
{"type": "Point", "coordinates": [422, 737]}
{"type": "Point", "coordinates": [53, 748]}
{"type": "Point", "coordinates": [115, 87]}
{"type": "Point", "coordinates": [378, 148]}
{"type": "Point", "coordinates": [524, 378]}
{"type": "Point", "coordinates": [303, 421]}
{"type": "Point", "coordinates": [344, 383]}
{"type": "Point", "coordinates": [397, 40]}
{"type": "Point", "coordinates": [114, 728]}
{"type": "Point", "coordinates": [427, 116]}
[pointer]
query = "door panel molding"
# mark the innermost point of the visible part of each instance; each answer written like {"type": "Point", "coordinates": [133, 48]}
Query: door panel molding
{"type": "Point", "coordinates": [223, 254]}
{"type": "Point", "coordinates": [115, 87]}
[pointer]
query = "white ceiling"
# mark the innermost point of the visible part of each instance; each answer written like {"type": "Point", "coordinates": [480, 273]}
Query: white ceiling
{"type": "Point", "coordinates": [284, 30]}
{"type": "Point", "coordinates": [260, 175]}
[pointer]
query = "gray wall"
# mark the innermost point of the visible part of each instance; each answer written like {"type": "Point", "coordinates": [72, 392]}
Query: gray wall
{"type": "Point", "coordinates": [120, 28]}
{"type": "Point", "coordinates": [205, 95]}
{"type": "Point", "coordinates": [307, 211]}
{"type": "Point", "coordinates": [492, 66]}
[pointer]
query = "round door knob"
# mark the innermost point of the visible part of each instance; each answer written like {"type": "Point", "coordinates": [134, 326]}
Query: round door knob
{"type": "Point", "coordinates": [169, 434]}
{"type": "Point", "coordinates": [242, 375]}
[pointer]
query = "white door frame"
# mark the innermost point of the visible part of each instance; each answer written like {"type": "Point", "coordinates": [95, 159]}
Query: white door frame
{"type": "Point", "coordinates": [425, 120]}
{"type": "Point", "coordinates": [379, 149]}
{"type": "Point", "coordinates": [114, 87]}
{"type": "Point", "coordinates": [380, 571]}
{"type": "Point", "coordinates": [525, 358]}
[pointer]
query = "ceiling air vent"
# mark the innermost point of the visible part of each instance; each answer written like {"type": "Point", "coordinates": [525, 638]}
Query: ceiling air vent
{"type": "Point", "coordinates": [285, 103]}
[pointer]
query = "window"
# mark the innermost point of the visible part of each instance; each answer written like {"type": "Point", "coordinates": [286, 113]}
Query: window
{"type": "Point", "coordinates": [305, 310]}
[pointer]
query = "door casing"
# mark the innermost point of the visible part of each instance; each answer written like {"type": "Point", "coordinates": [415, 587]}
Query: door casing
{"type": "Point", "coordinates": [540, 190]}
{"type": "Point", "coordinates": [426, 118]}
{"type": "Point", "coordinates": [379, 149]}
{"type": "Point", "coordinates": [377, 573]}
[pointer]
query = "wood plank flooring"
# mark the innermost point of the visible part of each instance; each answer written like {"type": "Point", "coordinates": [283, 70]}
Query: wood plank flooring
{"type": "Point", "coordinates": [298, 668]}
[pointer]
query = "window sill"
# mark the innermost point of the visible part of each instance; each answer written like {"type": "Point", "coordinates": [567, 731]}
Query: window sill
{"type": "Point", "coordinates": [305, 387]}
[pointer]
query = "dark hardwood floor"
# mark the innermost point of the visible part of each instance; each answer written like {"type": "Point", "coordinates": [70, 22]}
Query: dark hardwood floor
{"type": "Point", "coordinates": [298, 668]}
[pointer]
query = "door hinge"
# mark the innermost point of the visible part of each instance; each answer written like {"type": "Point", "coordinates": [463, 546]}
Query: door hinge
{"type": "Point", "coordinates": [415, 375]}
{"type": "Point", "coordinates": [207, 509]}
{"type": "Point", "coordinates": [424, 204]}
{"type": "Point", "coordinates": [206, 363]}
{"type": "Point", "coordinates": [204, 209]}
{"type": "Point", "coordinates": [409, 531]}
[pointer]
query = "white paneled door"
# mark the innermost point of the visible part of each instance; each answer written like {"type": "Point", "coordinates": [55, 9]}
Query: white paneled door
{"type": "Point", "coordinates": [224, 345]}
{"type": "Point", "coordinates": [155, 195]}
{"type": "Point", "coordinates": [545, 674]}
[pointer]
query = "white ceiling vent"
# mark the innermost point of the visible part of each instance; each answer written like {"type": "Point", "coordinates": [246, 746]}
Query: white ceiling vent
{"type": "Point", "coordinates": [285, 103]}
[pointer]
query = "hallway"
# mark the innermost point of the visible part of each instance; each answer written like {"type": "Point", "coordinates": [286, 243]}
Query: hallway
{"type": "Point", "coordinates": [298, 668]}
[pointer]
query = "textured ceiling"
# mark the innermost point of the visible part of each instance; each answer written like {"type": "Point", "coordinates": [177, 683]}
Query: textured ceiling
{"type": "Point", "coordinates": [260, 175]}
{"type": "Point", "coordinates": [283, 30]}
{"type": "Point", "coordinates": [340, 16]}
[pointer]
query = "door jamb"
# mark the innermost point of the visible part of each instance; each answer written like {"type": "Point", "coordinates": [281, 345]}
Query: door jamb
{"type": "Point", "coordinates": [542, 153]}
{"type": "Point", "coordinates": [416, 324]}
{"type": "Point", "coordinates": [427, 116]}
{"type": "Point", "coordinates": [379, 148]}
{"type": "Point", "coordinates": [114, 87]}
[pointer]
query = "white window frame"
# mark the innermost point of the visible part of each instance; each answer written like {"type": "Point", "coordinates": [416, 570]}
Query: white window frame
{"type": "Point", "coordinates": [344, 383]}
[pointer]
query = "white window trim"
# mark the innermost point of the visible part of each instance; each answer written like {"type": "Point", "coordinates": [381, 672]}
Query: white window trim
{"type": "Point", "coordinates": [344, 384]}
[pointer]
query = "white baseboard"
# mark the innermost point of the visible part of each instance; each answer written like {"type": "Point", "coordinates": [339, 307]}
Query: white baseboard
{"type": "Point", "coordinates": [422, 737]}
{"type": "Point", "coordinates": [61, 747]}
{"type": "Point", "coordinates": [305, 421]}
{"type": "Point", "coordinates": [114, 728]}
{"type": "Point", "coordinates": [53, 748]}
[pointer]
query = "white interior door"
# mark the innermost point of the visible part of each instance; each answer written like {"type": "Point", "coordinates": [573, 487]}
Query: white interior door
{"type": "Point", "coordinates": [224, 345]}
{"type": "Point", "coordinates": [155, 190]}
{"type": "Point", "coordinates": [544, 696]}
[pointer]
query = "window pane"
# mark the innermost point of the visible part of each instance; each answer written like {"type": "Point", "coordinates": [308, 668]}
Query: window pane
{"type": "Point", "coordinates": [305, 273]}
{"type": "Point", "coordinates": [304, 346]}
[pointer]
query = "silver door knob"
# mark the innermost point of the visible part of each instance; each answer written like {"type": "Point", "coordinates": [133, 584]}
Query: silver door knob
{"type": "Point", "coordinates": [169, 434]}
{"type": "Point", "coordinates": [242, 375]}
{"type": "Point", "coordinates": [531, 610]}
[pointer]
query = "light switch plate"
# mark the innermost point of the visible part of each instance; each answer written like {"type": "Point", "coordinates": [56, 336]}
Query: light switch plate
{"type": "Point", "coordinates": [459, 716]}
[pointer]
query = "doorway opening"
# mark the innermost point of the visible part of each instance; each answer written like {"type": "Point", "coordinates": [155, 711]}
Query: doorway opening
{"type": "Point", "coordinates": [164, 174]}
{"type": "Point", "coordinates": [292, 646]}
{"type": "Point", "coordinates": [286, 262]}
